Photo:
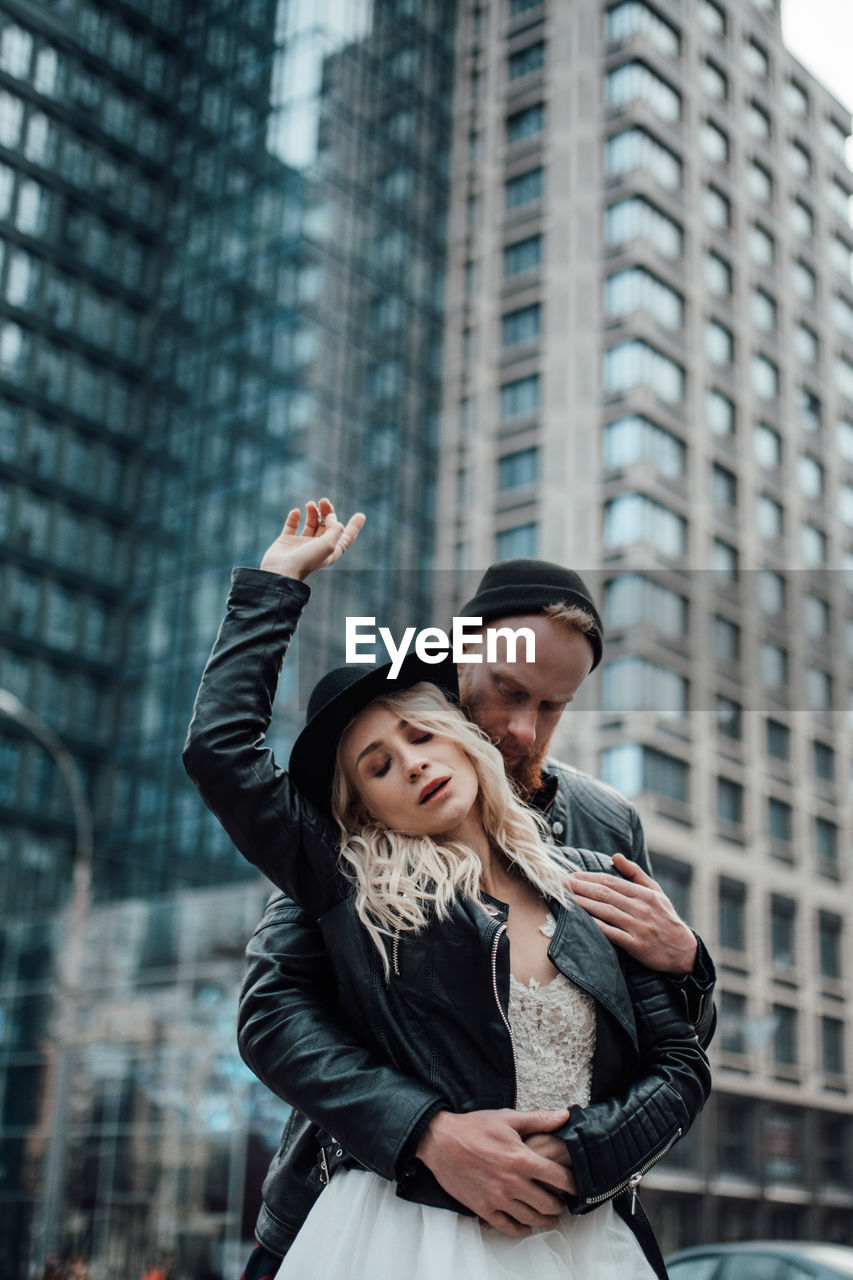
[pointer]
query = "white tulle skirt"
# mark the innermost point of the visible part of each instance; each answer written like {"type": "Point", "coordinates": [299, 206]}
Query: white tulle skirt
{"type": "Point", "coordinates": [359, 1229]}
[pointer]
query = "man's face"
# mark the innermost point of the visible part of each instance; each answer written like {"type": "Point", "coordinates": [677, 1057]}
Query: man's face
{"type": "Point", "coordinates": [519, 704]}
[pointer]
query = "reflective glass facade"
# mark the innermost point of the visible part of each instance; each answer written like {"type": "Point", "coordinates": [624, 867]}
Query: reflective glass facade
{"type": "Point", "coordinates": [222, 241]}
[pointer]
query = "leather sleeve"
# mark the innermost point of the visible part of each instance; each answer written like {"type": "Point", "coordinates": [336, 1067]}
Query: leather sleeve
{"type": "Point", "coordinates": [619, 1139]}
{"type": "Point", "coordinates": [293, 1036]}
{"type": "Point", "coordinates": [290, 841]}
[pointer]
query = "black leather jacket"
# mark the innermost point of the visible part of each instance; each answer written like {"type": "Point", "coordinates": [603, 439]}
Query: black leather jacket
{"type": "Point", "coordinates": [422, 1039]}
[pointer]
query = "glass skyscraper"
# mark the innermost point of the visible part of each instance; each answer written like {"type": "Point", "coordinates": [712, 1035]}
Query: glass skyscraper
{"type": "Point", "coordinates": [223, 242]}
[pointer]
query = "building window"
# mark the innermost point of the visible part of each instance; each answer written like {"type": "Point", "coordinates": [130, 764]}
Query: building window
{"type": "Point", "coordinates": [799, 161]}
{"type": "Point", "coordinates": [518, 470]}
{"type": "Point", "coordinates": [724, 561]}
{"type": "Point", "coordinates": [762, 308]}
{"type": "Point", "coordinates": [636, 684]}
{"type": "Point", "coordinates": [636, 289]}
{"type": "Point", "coordinates": [523, 255]}
{"type": "Point", "coordinates": [769, 517]}
{"type": "Point", "coordinates": [810, 476]}
{"type": "Point", "coordinates": [778, 740]}
{"type": "Point", "coordinates": [759, 182]}
{"type": "Point", "coordinates": [829, 928]}
{"type": "Point", "coordinates": [636, 148]}
{"type": "Point", "coordinates": [796, 98]}
{"type": "Point", "coordinates": [519, 541]}
{"type": "Point", "coordinates": [633, 82]}
{"type": "Point", "coordinates": [716, 208]}
{"type": "Point", "coordinates": [719, 343]}
{"type": "Point", "coordinates": [633, 18]}
{"type": "Point", "coordinates": [633, 518]}
{"type": "Point", "coordinates": [633, 769]}
{"type": "Point", "coordinates": [527, 60]}
{"type": "Point", "coordinates": [636, 363]}
{"type": "Point", "coordinates": [737, 1144]}
{"type": "Point", "coordinates": [714, 143]}
{"type": "Point", "coordinates": [767, 446]}
{"type": "Point", "coordinates": [823, 758]}
{"type": "Point", "coordinates": [524, 189]}
{"type": "Point", "coordinates": [723, 486]}
{"type": "Point", "coordinates": [808, 409]}
{"type": "Point", "coordinates": [758, 122]}
{"type": "Point", "coordinates": [633, 600]}
{"type": "Point", "coordinates": [782, 930]}
{"type": "Point", "coordinates": [635, 438]}
{"type": "Point", "coordinates": [773, 665]}
{"type": "Point", "coordinates": [726, 639]}
{"type": "Point", "coordinates": [729, 801]}
{"type": "Point", "coordinates": [839, 199]}
{"type": "Point", "coordinates": [845, 504]}
{"type": "Point", "coordinates": [755, 60]}
{"type": "Point", "coordinates": [826, 843]}
{"type": "Point", "coordinates": [636, 218]}
{"type": "Point", "coordinates": [525, 124]}
{"type": "Point", "coordinates": [842, 315]}
{"type": "Point", "coordinates": [713, 81]}
{"type": "Point", "coordinates": [732, 914]}
{"type": "Point", "coordinates": [813, 546]}
{"type": "Point", "coordinates": [785, 1035]}
{"type": "Point", "coordinates": [718, 274]}
{"type": "Point", "coordinates": [844, 376]}
{"type": "Point", "coordinates": [712, 18]}
{"type": "Point", "coordinates": [804, 281]}
{"type": "Point", "coordinates": [732, 1020]}
{"type": "Point", "coordinates": [801, 219]}
{"type": "Point", "coordinates": [761, 246]}
{"type": "Point", "coordinates": [729, 717]}
{"type": "Point", "coordinates": [771, 591]}
{"type": "Point", "coordinates": [844, 438]}
{"type": "Point", "coordinates": [519, 397]}
{"type": "Point", "coordinates": [832, 1045]}
{"type": "Point", "coordinates": [764, 377]}
{"type": "Point", "coordinates": [522, 325]}
{"type": "Point", "coordinates": [719, 414]}
{"type": "Point", "coordinates": [818, 688]}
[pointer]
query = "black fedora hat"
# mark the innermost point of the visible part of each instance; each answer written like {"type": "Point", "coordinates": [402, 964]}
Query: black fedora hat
{"type": "Point", "coordinates": [339, 696]}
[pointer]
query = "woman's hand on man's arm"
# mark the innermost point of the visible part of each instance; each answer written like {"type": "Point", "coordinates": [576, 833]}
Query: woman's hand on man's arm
{"type": "Point", "coordinates": [323, 540]}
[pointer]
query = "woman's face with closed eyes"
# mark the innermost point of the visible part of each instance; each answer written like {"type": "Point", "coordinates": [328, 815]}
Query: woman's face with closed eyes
{"type": "Point", "coordinates": [411, 781]}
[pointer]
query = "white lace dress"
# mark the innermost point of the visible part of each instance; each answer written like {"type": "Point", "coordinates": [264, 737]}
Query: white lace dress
{"type": "Point", "coordinates": [359, 1229]}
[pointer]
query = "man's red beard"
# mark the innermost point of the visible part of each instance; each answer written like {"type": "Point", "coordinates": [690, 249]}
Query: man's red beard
{"type": "Point", "coordinates": [526, 770]}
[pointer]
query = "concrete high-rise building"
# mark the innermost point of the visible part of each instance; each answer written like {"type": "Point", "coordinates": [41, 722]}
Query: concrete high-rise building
{"type": "Point", "coordinates": [649, 376]}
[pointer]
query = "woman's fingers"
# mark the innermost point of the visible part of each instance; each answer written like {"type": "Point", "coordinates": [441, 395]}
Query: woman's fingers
{"type": "Point", "coordinates": [291, 524]}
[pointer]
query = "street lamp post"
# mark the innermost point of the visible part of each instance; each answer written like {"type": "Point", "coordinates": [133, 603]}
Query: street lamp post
{"type": "Point", "coordinates": [71, 972]}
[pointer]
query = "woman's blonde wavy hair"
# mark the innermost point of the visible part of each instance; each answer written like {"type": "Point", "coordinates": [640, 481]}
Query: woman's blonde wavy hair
{"type": "Point", "coordinates": [400, 880]}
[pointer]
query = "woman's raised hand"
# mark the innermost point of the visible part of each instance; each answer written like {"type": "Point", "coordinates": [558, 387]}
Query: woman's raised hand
{"type": "Point", "coordinates": [322, 541]}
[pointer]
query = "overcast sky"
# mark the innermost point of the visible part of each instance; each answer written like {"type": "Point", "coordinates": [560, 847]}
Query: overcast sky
{"type": "Point", "coordinates": [820, 34]}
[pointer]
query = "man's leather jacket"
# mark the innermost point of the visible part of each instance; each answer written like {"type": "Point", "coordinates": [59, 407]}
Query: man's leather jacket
{"type": "Point", "coordinates": [374, 1056]}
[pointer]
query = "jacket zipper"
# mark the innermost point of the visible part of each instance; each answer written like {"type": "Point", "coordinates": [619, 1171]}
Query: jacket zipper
{"type": "Point", "coordinates": [634, 1181]}
{"type": "Point", "coordinates": [495, 941]}
{"type": "Point", "coordinates": [395, 955]}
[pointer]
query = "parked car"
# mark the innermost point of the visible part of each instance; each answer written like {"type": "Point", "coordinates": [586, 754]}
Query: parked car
{"type": "Point", "coordinates": [762, 1260]}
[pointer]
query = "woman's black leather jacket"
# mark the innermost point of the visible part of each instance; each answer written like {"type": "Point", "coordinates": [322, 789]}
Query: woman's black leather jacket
{"type": "Point", "coordinates": [440, 1017]}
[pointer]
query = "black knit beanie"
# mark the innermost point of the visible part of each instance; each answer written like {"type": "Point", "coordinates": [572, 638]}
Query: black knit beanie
{"type": "Point", "coordinates": [513, 587]}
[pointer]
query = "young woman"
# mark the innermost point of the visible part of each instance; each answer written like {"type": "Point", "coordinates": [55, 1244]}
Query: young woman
{"type": "Point", "coordinates": [458, 954]}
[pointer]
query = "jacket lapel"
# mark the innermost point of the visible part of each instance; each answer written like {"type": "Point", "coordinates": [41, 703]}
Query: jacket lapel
{"type": "Point", "coordinates": [580, 950]}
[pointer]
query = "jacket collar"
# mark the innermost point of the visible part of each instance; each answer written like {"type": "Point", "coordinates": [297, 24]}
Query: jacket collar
{"type": "Point", "coordinates": [581, 951]}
